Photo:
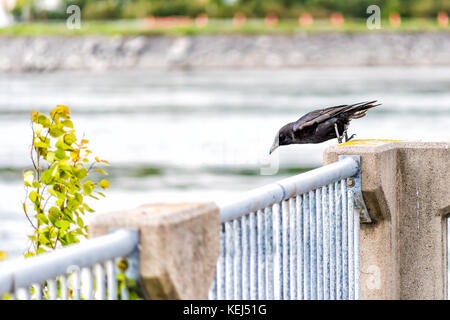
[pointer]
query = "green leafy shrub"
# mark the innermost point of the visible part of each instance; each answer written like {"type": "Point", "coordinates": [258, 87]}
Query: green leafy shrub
{"type": "Point", "coordinates": [58, 184]}
{"type": "Point", "coordinates": [101, 10]}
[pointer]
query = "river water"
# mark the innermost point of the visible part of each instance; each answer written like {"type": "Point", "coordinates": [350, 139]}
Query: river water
{"type": "Point", "coordinates": [203, 135]}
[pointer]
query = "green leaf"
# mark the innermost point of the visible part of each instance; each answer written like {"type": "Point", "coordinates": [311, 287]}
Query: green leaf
{"type": "Point", "coordinates": [78, 197]}
{"type": "Point", "coordinates": [40, 144]}
{"type": "Point", "coordinates": [60, 201]}
{"type": "Point", "coordinates": [47, 176]}
{"type": "Point", "coordinates": [37, 185]}
{"type": "Point", "coordinates": [81, 173]}
{"type": "Point", "coordinates": [43, 120]}
{"type": "Point", "coordinates": [40, 250]}
{"type": "Point", "coordinates": [53, 192]}
{"type": "Point", "coordinates": [69, 138]}
{"type": "Point", "coordinates": [63, 225]}
{"type": "Point", "coordinates": [33, 196]}
{"type": "Point", "coordinates": [68, 123]}
{"type": "Point", "coordinates": [73, 204]}
{"type": "Point", "coordinates": [80, 222]}
{"type": "Point", "coordinates": [28, 178]}
{"type": "Point", "coordinates": [88, 186]}
{"type": "Point", "coordinates": [42, 218]}
{"type": "Point", "coordinates": [50, 157]}
{"type": "Point", "coordinates": [102, 171]}
{"type": "Point", "coordinates": [56, 132]}
{"type": "Point", "coordinates": [104, 184]}
{"type": "Point", "coordinates": [88, 208]}
{"type": "Point", "coordinates": [60, 154]}
{"type": "Point", "coordinates": [53, 216]}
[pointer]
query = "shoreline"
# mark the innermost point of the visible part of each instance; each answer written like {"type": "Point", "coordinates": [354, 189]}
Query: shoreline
{"type": "Point", "coordinates": [53, 53]}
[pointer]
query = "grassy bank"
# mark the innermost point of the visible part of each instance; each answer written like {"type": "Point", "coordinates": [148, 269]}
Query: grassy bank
{"type": "Point", "coordinates": [253, 26]}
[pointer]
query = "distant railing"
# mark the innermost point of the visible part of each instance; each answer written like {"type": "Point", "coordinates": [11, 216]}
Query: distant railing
{"type": "Point", "coordinates": [294, 239]}
{"type": "Point", "coordinates": [82, 271]}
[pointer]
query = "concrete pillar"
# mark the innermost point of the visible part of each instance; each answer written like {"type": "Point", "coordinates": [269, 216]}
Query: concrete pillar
{"type": "Point", "coordinates": [406, 187]}
{"type": "Point", "coordinates": [179, 246]}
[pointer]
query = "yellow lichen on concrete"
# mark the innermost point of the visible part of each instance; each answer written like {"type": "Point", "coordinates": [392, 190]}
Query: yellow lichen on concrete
{"type": "Point", "coordinates": [367, 142]}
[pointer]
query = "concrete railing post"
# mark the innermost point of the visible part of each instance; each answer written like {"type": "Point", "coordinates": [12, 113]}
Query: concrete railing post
{"type": "Point", "coordinates": [406, 187]}
{"type": "Point", "coordinates": [179, 246]}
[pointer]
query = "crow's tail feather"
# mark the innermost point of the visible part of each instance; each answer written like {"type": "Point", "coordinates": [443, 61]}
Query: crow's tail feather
{"type": "Point", "coordinates": [359, 110]}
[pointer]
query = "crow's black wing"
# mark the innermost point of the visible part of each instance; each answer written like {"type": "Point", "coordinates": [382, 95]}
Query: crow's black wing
{"type": "Point", "coordinates": [318, 116]}
{"type": "Point", "coordinates": [317, 113]}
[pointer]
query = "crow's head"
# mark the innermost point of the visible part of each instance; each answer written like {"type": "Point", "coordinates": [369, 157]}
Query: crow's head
{"type": "Point", "coordinates": [284, 137]}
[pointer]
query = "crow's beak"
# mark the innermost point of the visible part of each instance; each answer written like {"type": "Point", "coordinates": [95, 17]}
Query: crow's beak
{"type": "Point", "coordinates": [274, 146]}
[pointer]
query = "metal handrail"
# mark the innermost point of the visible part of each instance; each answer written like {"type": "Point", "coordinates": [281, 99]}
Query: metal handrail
{"type": "Point", "coordinates": [20, 273]}
{"type": "Point", "coordinates": [262, 197]}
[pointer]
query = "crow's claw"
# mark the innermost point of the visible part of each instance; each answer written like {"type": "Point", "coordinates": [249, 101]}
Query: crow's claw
{"type": "Point", "coordinates": [351, 137]}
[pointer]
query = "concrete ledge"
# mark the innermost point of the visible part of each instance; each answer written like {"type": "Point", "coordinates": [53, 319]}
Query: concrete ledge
{"type": "Point", "coordinates": [406, 187]}
{"type": "Point", "coordinates": [179, 246]}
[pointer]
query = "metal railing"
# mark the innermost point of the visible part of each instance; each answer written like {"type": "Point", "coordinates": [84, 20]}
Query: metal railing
{"type": "Point", "coordinates": [83, 271]}
{"type": "Point", "coordinates": [294, 239]}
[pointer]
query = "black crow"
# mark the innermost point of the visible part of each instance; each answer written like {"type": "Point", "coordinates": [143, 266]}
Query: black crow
{"type": "Point", "coordinates": [321, 125]}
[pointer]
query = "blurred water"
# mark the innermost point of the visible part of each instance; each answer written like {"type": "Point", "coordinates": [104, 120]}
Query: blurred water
{"type": "Point", "coordinates": [203, 135]}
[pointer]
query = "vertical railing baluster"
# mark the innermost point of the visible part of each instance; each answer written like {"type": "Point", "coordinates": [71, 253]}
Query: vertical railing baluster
{"type": "Point", "coordinates": [111, 279]}
{"type": "Point", "coordinates": [75, 285]}
{"type": "Point", "coordinates": [37, 291]}
{"type": "Point", "coordinates": [357, 255]}
{"type": "Point", "coordinates": [52, 289]}
{"type": "Point", "coordinates": [21, 294]}
{"type": "Point", "coordinates": [277, 261]}
{"type": "Point", "coordinates": [300, 254]}
{"type": "Point", "coordinates": [332, 244]}
{"type": "Point", "coordinates": [253, 257]}
{"type": "Point", "coordinates": [285, 249]}
{"type": "Point", "coordinates": [319, 243]}
{"type": "Point", "coordinates": [100, 291]}
{"type": "Point", "coordinates": [313, 245]}
{"type": "Point", "coordinates": [245, 257]}
{"type": "Point", "coordinates": [326, 243]}
{"type": "Point", "coordinates": [220, 277]}
{"type": "Point", "coordinates": [306, 247]}
{"type": "Point", "coordinates": [293, 248]}
{"type": "Point", "coordinates": [237, 259]}
{"type": "Point", "coordinates": [63, 287]}
{"type": "Point", "coordinates": [261, 255]}
{"type": "Point", "coordinates": [86, 284]}
{"type": "Point", "coordinates": [344, 240]}
{"type": "Point", "coordinates": [338, 202]}
{"type": "Point", "coordinates": [300, 248]}
{"type": "Point", "coordinates": [351, 249]}
{"type": "Point", "coordinates": [269, 252]}
{"type": "Point", "coordinates": [229, 257]}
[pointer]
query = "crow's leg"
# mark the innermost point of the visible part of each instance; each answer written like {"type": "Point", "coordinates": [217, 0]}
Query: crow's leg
{"type": "Point", "coordinates": [337, 133]}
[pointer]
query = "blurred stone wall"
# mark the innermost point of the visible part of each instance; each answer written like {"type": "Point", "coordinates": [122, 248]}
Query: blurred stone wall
{"type": "Point", "coordinates": [48, 53]}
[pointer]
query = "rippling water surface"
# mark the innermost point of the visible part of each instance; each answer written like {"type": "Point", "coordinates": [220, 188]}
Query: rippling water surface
{"type": "Point", "coordinates": [203, 135]}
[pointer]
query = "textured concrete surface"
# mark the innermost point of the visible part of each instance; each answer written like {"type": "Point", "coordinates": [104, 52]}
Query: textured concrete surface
{"type": "Point", "coordinates": [406, 187]}
{"type": "Point", "coordinates": [179, 246]}
{"type": "Point", "coordinates": [45, 53]}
